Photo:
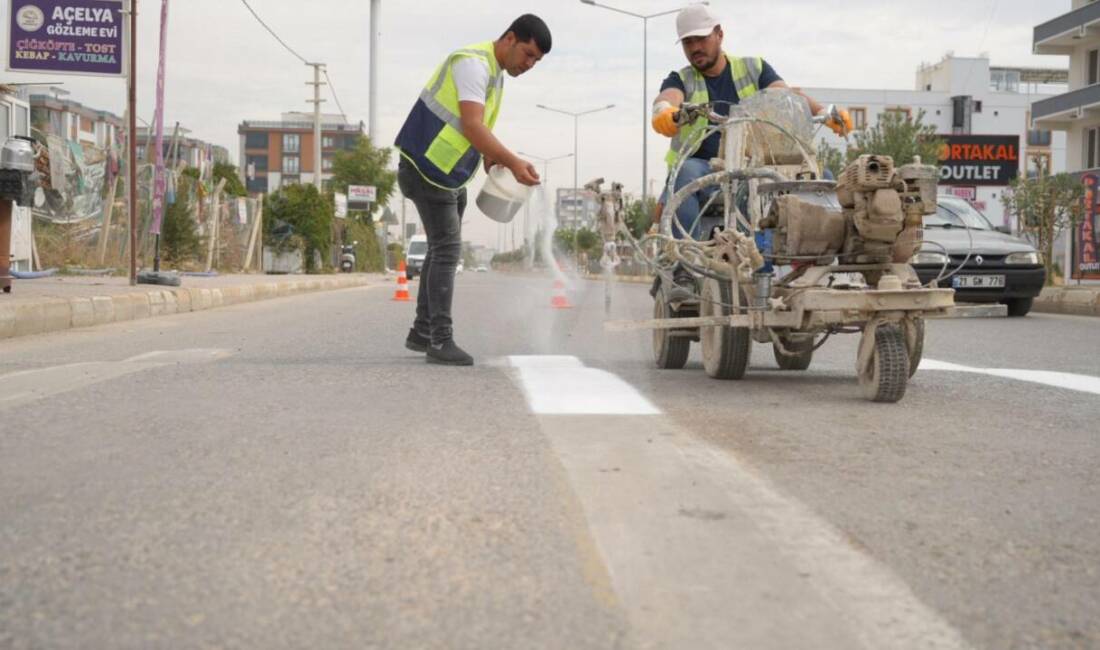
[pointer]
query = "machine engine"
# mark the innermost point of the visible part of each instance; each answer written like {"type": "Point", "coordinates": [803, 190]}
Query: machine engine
{"type": "Point", "coordinates": [875, 217]}
{"type": "Point", "coordinates": [886, 207]}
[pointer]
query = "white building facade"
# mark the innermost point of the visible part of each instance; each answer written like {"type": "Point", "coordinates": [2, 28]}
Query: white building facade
{"type": "Point", "coordinates": [969, 101]}
{"type": "Point", "coordinates": [1075, 114]}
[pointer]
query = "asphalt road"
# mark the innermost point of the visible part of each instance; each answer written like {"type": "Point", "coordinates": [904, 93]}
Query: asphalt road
{"type": "Point", "coordinates": [284, 474]}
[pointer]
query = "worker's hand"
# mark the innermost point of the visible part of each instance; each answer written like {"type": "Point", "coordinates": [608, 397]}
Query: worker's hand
{"type": "Point", "coordinates": [525, 173]}
{"type": "Point", "coordinates": [839, 121]}
{"type": "Point", "coordinates": [489, 162]}
{"type": "Point", "coordinates": [664, 119]}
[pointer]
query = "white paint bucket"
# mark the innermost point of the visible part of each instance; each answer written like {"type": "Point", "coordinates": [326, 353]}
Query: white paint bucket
{"type": "Point", "coordinates": [502, 195]}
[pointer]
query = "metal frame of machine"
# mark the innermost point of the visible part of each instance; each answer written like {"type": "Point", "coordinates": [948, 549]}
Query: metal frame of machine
{"type": "Point", "coordinates": [848, 243]}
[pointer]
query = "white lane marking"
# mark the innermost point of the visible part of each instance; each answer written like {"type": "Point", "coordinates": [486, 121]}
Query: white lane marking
{"type": "Point", "coordinates": [562, 385]}
{"type": "Point", "coordinates": [704, 552]}
{"type": "Point", "coordinates": [1071, 381]}
{"type": "Point", "coordinates": [26, 386]}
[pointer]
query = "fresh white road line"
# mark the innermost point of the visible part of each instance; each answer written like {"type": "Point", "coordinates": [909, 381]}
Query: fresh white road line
{"type": "Point", "coordinates": [562, 385]}
{"type": "Point", "coordinates": [30, 385]}
{"type": "Point", "coordinates": [702, 551]}
{"type": "Point", "coordinates": [1071, 381]}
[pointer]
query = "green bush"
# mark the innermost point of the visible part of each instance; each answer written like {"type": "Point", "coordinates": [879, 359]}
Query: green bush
{"type": "Point", "coordinates": [180, 242]}
{"type": "Point", "coordinates": [309, 216]}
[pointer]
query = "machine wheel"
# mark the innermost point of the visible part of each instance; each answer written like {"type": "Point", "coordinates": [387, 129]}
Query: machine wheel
{"type": "Point", "coordinates": [915, 347]}
{"type": "Point", "coordinates": [799, 361]}
{"type": "Point", "coordinates": [1019, 307]}
{"type": "Point", "coordinates": [887, 374]}
{"type": "Point", "coordinates": [670, 352]}
{"type": "Point", "coordinates": [726, 350]}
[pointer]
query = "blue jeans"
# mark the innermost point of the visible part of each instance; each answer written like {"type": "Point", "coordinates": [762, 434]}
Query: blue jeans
{"type": "Point", "coordinates": [688, 212]}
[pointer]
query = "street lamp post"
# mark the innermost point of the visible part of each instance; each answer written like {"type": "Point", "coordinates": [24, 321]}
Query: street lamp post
{"type": "Point", "coordinates": [576, 118]}
{"type": "Point", "coordinates": [645, 84]}
{"type": "Point", "coordinates": [576, 121]}
{"type": "Point", "coordinates": [545, 176]}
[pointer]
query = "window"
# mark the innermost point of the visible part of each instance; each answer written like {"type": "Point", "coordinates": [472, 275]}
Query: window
{"type": "Point", "coordinates": [328, 142]}
{"type": "Point", "coordinates": [978, 106]}
{"type": "Point", "coordinates": [86, 125]}
{"type": "Point", "coordinates": [1038, 138]}
{"type": "Point", "coordinates": [859, 118]}
{"type": "Point", "coordinates": [254, 140]}
{"type": "Point", "coordinates": [257, 185]}
{"type": "Point", "coordinates": [292, 143]}
{"type": "Point", "coordinates": [903, 112]}
{"type": "Point", "coordinates": [292, 165]}
{"type": "Point", "coordinates": [1092, 67]}
{"type": "Point", "coordinates": [5, 121]}
{"type": "Point", "coordinates": [326, 164]}
{"type": "Point", "coordinates": [259, 163]}
{"type": "Point", "coordinates": [22, 120]}
{"type": "Point", "coordinates": [1092, 136]}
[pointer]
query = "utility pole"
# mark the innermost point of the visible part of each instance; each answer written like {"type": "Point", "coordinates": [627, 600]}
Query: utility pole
{"type": "Point", "coordinates": [375, 38]}
{"type": "Point", "coordinates": [318, 167]}
{"type": "Point", "coordinates": [131, 109]}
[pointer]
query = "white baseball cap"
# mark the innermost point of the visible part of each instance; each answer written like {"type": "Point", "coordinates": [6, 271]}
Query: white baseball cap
{"type": "Point", "coordinates": [695, 20]}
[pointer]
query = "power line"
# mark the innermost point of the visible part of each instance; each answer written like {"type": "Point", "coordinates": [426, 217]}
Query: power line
{"type": "Point", "coordinates": [272, 32]}
{"type": "Point", "coordinates": [333, 89]}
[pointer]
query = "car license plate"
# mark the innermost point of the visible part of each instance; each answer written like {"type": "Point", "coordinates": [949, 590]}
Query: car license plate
{"type": "Point", "coordinates": [978, 282]}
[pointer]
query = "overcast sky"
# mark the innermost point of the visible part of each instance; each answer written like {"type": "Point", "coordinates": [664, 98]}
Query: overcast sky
{"type": "Point", "coordinates": [224, 68]}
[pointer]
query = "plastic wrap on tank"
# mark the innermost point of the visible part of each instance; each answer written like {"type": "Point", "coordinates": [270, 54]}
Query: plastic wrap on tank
{"type": "Point", "coordinates": [785, 109]}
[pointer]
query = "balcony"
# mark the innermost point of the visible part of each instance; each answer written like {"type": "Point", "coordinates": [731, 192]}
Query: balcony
{"type": "Point", "coordinates": [1059, 112]}
{"type": "Point", "coordinates": [1060, 35]}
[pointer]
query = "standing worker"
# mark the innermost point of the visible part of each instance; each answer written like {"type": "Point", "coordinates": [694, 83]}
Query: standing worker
{"type": "Point", "coordinates": [713, 76]}
{"type": "Point", "coordinates": [442, 144]}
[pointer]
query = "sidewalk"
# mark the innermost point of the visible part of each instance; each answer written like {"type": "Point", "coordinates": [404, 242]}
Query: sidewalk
{"type": "Point", "coordinates": [1081, 300]}
{"type": "Point", "coordinates": [67, 302]}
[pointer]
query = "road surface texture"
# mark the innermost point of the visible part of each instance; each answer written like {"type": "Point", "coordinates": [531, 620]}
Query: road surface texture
{"type": "Point", "coordinates": [285, 475]}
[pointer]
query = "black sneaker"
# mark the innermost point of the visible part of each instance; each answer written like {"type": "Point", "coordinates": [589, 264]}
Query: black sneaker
{"type": "Point", "coordinates": [417, 342]}
{"type": "Point", "coordinates": [448, 354]}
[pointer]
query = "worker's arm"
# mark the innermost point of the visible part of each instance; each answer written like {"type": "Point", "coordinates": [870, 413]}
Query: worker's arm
{"type": "Point", "coordinates": [841, 123]}
{"type": "Point", "coordinates": [472, 117]}
{"type": "Point", "coordinates": [665, 108]}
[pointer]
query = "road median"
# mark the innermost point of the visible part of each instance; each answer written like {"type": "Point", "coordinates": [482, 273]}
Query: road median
{"type": "Point", "coordinates": [58, 307]}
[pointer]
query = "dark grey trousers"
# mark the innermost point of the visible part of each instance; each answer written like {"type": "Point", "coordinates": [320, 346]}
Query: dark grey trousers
{"type": "Point", "coordinates": [441, 214]}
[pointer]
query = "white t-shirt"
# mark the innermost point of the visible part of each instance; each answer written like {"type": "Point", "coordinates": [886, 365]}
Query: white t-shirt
{"type": "Point", "coordinates": [471, 75]}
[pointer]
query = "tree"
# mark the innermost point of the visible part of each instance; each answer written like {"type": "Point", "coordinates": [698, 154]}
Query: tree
{"type": "Point", "coordinates": [180, 241]}
{"type": "Point", "coordinates": [364, 165]}
{"type": "Point", "coordinates": [1046, 206]}
{"type": "Point", "coordinates": [901, 138]}
{"type": "Point", "coordinates": [233, 184]}
{"type": "Point", "coordinates": [638, 217]}
{"type": "Point", "coordinates": [830, 159]}
{"type": "Point", "coordinates": [297, 216]}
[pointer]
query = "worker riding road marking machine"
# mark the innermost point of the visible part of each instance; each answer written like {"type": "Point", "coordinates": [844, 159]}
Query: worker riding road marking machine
{"type": "Point", "coordinates": [787, 258]}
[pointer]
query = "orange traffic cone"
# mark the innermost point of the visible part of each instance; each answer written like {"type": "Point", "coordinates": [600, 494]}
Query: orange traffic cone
{"type": "Point", "coordinates": [560, 300]}
{"type": "Point", "coordinates": [402, 293]}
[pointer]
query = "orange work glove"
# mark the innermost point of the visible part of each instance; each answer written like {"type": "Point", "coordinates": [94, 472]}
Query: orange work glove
{"type": "Point", "coordinates": [840, 122]}
{"type": "Point", "coordinates": [664, 120]}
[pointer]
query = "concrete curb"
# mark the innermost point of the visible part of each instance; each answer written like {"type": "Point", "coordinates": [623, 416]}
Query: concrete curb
{"type": "Point", "coordinates": [1078, 301]}
{"type": "Point", "coordinates": [58, 314]}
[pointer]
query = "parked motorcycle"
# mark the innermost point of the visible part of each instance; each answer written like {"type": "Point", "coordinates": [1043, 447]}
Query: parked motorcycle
{"type": "Point", "coordinates": [347, 257]}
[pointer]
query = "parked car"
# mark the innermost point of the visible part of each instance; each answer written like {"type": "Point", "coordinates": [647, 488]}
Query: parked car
{"type": "Point", "coordinates": [414, 260]}
{"type": "Point", "coordinates": [482, 269]}
{"type": "Point", "coordinates": [999, 268]}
